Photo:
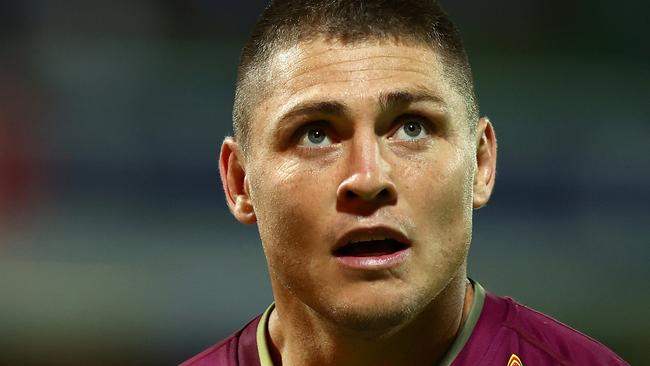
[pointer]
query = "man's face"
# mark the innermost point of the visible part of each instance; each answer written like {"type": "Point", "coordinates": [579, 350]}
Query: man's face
{"type": "Point", "coordinates": [363, 143]}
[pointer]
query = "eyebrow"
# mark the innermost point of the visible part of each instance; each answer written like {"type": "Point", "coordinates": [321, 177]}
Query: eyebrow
{"type": "Point", "coordinates": [387, 101]}
{"type": "Point", "coordinates": [400, 98]}
{"type": "Point", "coordinates": [325, 107]}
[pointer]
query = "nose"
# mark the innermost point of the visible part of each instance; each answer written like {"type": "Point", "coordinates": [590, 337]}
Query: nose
{"type": "Point", "coordinates": [367, 184]}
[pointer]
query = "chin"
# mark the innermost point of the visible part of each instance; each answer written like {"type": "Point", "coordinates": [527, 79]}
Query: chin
{"type": "Point", "coordinates": [375, 315]}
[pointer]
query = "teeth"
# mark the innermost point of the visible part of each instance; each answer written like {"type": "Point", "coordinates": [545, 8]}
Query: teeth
{"type": "Point", "coordinates": [371, 238]}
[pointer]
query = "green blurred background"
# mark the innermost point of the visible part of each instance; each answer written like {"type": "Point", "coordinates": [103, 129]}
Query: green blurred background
{"type": "Point", "coordinates": [116, 247]}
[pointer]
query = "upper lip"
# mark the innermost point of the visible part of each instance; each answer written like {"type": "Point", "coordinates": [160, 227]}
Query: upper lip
{"type": "Point", "coordinates": [368, 233]}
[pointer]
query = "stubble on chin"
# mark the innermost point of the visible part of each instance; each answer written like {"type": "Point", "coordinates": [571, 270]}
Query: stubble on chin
{"type": "Point", "coordinates": [373, 317]}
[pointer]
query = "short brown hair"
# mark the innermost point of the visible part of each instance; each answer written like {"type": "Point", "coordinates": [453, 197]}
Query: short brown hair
{"type": "Point", "coordinates": [285, 23]}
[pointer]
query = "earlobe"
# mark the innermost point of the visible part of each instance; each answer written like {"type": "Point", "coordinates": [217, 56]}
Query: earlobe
{"type": "Point", "coordinates": [486, 158]}
{"type": "Point", "coordinates": [235, 182]}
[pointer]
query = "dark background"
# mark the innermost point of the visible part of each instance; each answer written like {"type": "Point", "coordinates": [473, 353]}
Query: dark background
{"type": "Point", "coordinates": [116, 247]}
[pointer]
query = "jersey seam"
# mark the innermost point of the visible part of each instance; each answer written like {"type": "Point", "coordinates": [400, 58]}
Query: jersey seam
{"type": "Point", "coordinates": [558, 323]}
{"type": "Point", "coordinates": [537, 344]}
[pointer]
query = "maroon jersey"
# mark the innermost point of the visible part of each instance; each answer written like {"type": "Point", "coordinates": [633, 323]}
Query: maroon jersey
{"type": "Point", "coordinates": [498, 331]}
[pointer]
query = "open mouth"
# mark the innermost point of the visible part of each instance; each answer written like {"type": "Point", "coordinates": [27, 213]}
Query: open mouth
{"type": "Point", "coordinates": [370, 248]}
{"type": "Point", "coordinates": [375, 248]}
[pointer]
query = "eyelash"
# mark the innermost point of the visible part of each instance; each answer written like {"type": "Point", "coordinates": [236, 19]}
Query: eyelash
{"type": "Point", "coordinates": [398, 123]}
{"type": "Point", "coordinates": [305, 127]}
{"type": "Point", "coordinates": [426, 123]}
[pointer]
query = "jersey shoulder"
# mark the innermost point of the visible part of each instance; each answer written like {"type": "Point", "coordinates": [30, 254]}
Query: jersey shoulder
{"type": "Point", "coordinates": [239, 349]}
{"type": "Point", "coordinates": [559, 341]}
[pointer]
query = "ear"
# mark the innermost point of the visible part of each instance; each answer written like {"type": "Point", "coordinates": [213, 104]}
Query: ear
{"type": "Point", "coordinates": [486, 162]}
{"type": "Point", "coordinates": [235, 183]}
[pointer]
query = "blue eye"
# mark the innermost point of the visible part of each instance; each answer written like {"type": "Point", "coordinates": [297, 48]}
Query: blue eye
{"type": "Point", "coordinates": [412, 129]}
{"type": "Point", "coordinates": [315, 137]}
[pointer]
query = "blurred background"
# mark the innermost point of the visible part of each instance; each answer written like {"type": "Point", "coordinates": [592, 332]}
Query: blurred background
{"type": "Point", "coordinates": [116, 247]}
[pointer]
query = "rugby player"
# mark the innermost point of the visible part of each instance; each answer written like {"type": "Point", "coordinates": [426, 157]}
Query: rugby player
{"type": "Point", "coordinates": [359, 152]}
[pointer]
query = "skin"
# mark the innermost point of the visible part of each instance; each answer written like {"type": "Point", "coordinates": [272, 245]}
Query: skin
{"type": "Point", "coordinates": [366, 172]}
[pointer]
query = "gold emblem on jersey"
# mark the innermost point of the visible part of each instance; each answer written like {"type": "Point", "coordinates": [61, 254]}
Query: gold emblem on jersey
{"type": "Point", "coordinates": [515, 361]}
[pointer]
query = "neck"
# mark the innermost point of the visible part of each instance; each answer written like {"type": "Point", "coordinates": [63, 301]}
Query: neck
{"type": "Point", "coordinates": [302, 338]}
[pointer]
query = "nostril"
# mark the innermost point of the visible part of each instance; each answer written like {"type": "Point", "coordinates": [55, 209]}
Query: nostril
{"type": "Point", "coordinates": [384, 195]}
{"type": "Point", "coordinates": [349, 194]}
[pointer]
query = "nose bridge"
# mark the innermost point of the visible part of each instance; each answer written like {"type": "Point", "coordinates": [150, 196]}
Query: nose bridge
{"type": "Point", "coordinates": [367, 172]}
{"type": "Point", "coordinates": [365, 155]}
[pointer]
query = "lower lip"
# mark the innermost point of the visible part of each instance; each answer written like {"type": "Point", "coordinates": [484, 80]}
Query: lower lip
{"type": "Point", "coordinates": [385, 261]}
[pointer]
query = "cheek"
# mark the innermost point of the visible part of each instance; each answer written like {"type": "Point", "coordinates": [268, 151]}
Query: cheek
{"type": "Point", "coordinates": [285, 191]}
{"type": "Point", "coordinates": [289, 201]}
{"type": "Point", "coordinates": [292, 204]}
{"type": "Point", "coordinates": [442, 213]}
{"type": "Point", "coordinates": [443, 197]}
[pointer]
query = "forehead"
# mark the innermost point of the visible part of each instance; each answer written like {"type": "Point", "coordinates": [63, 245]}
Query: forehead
{"type": "Point", "coordinates": [357, 74]}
